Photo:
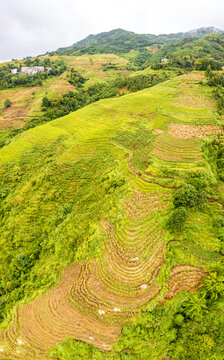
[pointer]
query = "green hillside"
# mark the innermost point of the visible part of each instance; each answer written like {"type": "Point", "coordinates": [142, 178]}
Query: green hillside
{"type": "Point", "coordinates": [122, 41]}
{"type": "Point", "coordinates": [85, 79]}
{"type": "Point", "coordinates": [112, 230]}
{"type": "Point", "coordinates": [27, 98]}
{"type": "Point", "coordinates": [90, 70]}
{"type": "Point", "coordinates": [208, 46]}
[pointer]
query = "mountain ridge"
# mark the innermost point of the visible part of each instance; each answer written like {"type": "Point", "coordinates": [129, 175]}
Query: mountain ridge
{"type": "Point", "coordinates": [135, 39]}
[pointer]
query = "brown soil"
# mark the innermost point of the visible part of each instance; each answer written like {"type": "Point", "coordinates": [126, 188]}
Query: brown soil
{"type": "Point", "coordinates": [13, 117]}
{"type": "Point", "coordinates": [155, 49]}
{"type": "Point", "coordinates": [187, 84]}
{"type": "Point", "coordinates": [192, 131]}
{"type": "Point", "coordinates": [187, 43]}
{"type": "Point", "coordinates": [193, 76]}
{"type": "Point", "coordinates": [122, 90]}
{"type": "Point", "coordinates": [24, 102]}
{"type": "Point", "coordinates": [184, 277]}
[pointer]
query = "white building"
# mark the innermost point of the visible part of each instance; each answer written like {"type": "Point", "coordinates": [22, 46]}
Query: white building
{"type": "Point", "coordinates": [14, 71]}
{"type": "Point", "coordinates": [31, 70]}
{"type": "Point", "coordinates": [164, 60]}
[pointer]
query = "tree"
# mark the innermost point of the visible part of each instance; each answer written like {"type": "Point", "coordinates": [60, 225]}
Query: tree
{"type": "Point", "coordinates": [23, 261]}
{"type": "Point", "coordinates": [213, 286]}
{"type": "Point", "coordinates": [7, 103]}
{"type": "Point", "coordinates": [185, 196]}
{"type": "Point", "coordinates": [208, 72]}
{"type": "Point", "coordinates": [195, 307]}
{"type": "Point", "coordinates": [177, 218]}
{"type": "Point", "coordinates": [46, 102]}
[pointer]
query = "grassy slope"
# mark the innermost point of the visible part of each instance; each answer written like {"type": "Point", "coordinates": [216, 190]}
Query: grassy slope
{"type": "Point", "coordinates": [26, 102]}
{"type": "Point", "coordinates": [70, 178]}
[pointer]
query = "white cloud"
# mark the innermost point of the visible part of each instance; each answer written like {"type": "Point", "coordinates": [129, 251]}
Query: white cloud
{"type": "Point", "coordinates": [30, 27]}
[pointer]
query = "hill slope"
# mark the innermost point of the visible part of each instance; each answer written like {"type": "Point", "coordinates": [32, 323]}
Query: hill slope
{"type": "Point", "coordinates": [95, 190]}
{"type": "Point", "coordinates": [122, 41]}
{"type": "Point", "coordinates": [208, 46]}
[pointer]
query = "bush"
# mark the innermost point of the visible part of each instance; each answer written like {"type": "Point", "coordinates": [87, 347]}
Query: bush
{"type": "Point", "coordinates": [195, 307]}
{"type": "Point", "coordinates": [177, 218]}
{"type": "Point", "coordinates": [46, 102]}
{"type": "Point", "coordinates": [23, 261]}
{"type": "Point", "coordinates": [7, 103]}
{"type": "Point", "coordinates": [186, 196]}
{"type": "Point", "coordinates": [213, 286]}
{"type": "Point", "coordinates": [214, 152]}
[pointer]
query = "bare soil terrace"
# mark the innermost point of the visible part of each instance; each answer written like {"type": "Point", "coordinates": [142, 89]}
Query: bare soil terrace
{"type": "Point", "coordinates": [182, 131]}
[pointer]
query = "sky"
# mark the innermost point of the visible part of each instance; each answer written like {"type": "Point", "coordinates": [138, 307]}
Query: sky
{"type": "Point", "coordinates": [30, 28]}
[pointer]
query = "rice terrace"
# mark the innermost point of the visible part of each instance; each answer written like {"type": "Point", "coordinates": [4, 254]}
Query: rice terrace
{"type": "Point", "coordinates": [95, 298]}
{"type": "Point", "coordinates": [111, 203]}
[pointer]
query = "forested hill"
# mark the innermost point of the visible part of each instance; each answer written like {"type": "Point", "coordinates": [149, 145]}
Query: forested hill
{"type": "Point", "coordinates": [211, 45]}
{"type": "Point", "coordinates": [115, 41]}
{"type": "Point", "coordinates": [119, 40]}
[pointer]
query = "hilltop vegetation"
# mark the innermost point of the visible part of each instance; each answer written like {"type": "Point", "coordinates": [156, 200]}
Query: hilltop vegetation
{"type": "Point", "coordinates": [209, 46]}
{"type": "Point", "coordinates": [182, 49]}
{"type": "Point", "coordinates": [121, 41]}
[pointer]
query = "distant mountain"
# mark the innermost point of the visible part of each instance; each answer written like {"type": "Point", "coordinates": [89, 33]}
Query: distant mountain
{"type": "Point", "coordinates": [192, 33]}
{"type": "Point", "coordinates": [122, 41]}
{"type": "Point", "coordinates": [114, 41]}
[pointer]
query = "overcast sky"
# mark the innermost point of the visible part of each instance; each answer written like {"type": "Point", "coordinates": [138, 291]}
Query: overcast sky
{"type": "Point", "coordinates": [29, 27]}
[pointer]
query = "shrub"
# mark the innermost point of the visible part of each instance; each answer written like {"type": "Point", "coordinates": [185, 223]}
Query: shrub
{"type": "Point", "coordinates": [202, 180]}
{"type": "Point", "coordinates": [195, 307]}
{"type": "Point", "coordinates": [185, 196]}
{"type": "Point", "coordinates": [213, 286]}
{"type": "Point", "coordinates": [218, 222]}
{"type": "Point", "coordinates": [7, 103]}
{"type": "Point", "coordinates": [178, 320]}
{"type": "Point", "coordinates": [46, 102]}
{"type": "Point", "coordinates": [23, 261]}
{"type": "Point", "coordinates": [177, 218]}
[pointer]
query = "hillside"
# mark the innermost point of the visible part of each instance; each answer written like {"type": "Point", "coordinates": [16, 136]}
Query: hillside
{"type": "Point", "coordinates": [37, 99]}
{"type": "Point", "coordinates": [122, 41]}
{"type": "Point", "coordinates": [94, 60]}
{"type": "Point", "coordinates": [26, 101]}
{"type": "Point", "coordinates": [111, 219]}
{"type": "Point", "coordinates": [208, 46]}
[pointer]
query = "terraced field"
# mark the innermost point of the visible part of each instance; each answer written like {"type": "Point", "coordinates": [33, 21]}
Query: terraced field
{"type": "Point", "coordinates": [169, 148]}
{"type": "Point", "coordinates": [26, 102]}
{"type": "Point", "coordinates": [94, 298]}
